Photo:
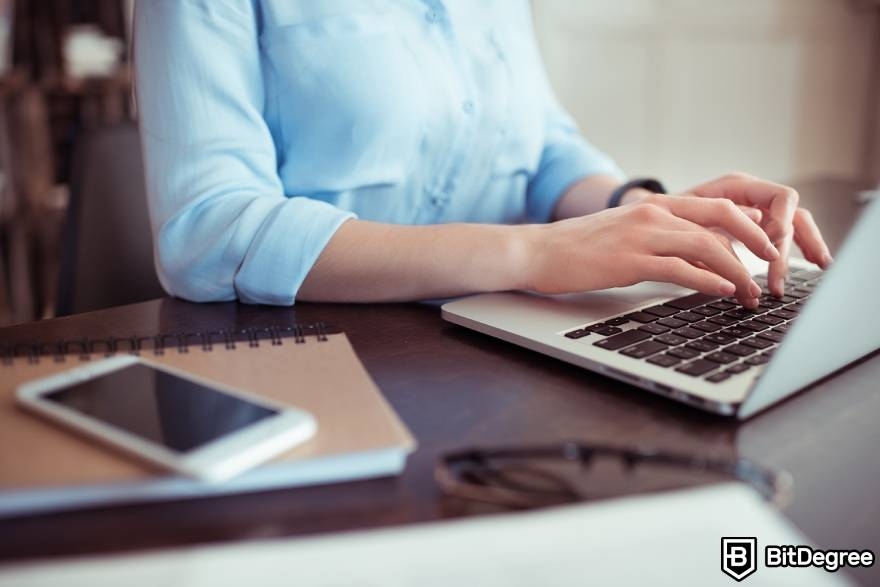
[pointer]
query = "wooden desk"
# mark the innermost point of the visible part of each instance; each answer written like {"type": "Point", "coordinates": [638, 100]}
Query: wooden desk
{"type": "Point", "coordinates": [456, 388]}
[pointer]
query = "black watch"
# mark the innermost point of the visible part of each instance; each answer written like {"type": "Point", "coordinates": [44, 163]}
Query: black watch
{"type": "Point", "coordinates": [648, 183]}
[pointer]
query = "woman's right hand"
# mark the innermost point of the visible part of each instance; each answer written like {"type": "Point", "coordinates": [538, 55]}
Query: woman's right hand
{"type": "Point", "coordinates": [660, 238]}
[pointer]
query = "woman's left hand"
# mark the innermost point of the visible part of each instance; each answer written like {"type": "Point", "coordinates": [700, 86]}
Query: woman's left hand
{"type": "Point", "coordinates": [775, 207]}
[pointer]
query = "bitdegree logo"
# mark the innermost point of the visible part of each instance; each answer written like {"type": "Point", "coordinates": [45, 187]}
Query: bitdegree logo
{"type": "Point", "coordinates": [805, 556]}
{"type": "Point", "coordinates": [739, 557]}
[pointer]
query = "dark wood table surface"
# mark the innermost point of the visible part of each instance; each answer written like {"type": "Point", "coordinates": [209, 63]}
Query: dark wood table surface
{"type": "Point", "coordinates": [456, 388]}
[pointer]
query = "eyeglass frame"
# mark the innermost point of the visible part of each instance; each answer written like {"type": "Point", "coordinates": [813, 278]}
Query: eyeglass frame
{"type": "Point", "coordinates": [773, 485]}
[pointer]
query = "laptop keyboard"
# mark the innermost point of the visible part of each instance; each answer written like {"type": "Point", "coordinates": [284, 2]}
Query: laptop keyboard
{"type": "Point", "coordinates": [706, 336]}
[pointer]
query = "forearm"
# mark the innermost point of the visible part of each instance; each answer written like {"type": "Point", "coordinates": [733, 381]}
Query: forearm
{"type": "Point", "coordinates": [375, 262]}
{"type": "Point", "coordinates": [591, 195]}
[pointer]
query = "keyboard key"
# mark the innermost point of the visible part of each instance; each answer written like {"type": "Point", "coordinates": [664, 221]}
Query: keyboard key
{"type": "Point", "coordinates": [738, 368]}
{"type": "Point", "coordinates": [771, 335]}
{"type": "Point", "coordinates": [683, 352]}
{"type": "Point", "coordinates": [617, 321]}
{"type": "Point", "coordinates": [720, 357]}
{"type": "Point", "coordinates": [787, 299]}
{"type": "Point", "coordinates": [643, 349]}
{"type": "Point", "coordinates": [770, 303]}
{"type": "Point", "coordinates": [719, 338]}
{"type": "Point", "coordinates": [771, 320]}
{"type": "Point", "coordinates": [723, 320]}
{"type": "Point", "coordinates": [697, 367]}
{"type": "Point", "coordinates": [740, 350]}
{"type": "Point", "coordinates": [757, 360]}
{"type": "Point", "coordinates": [642, 317]}
{"type": "Point", "coordinates": [796, 293]}
{"type": "Point", "coordinates": [784, 314]}
{"type": "Point", "coordinates": [707, 326]}
{"type": "Point", "coordinates": [689, 317]}
{"type": "Point", "coordinates": [672, 322]}
{"type": "Point", "coordinates": [621, 340]}
{"type": "Point", "coordinates": [706, 311]}
{"type": "Point", "coordinates": [758, 342]}
{"type": "Point", "coordinates": [754, 325]}
{"type": "Point", "coordinates": [662, 311]}
{"type": "Point", "coordinates": [722, 305]}
{"type": "Point", "coordinates": [671, 339]}
{"type": "Point", "coordinates": [739, 314]}
{"type": "Point", "coordinates": [783, 328]}
{"type": "Point", "coordinates": [605, 330]}
{"type": "Point", "coordinates": [691, 301]}
{"type": "Point", "coordinates": [718, 377]}
{"type": "Point", "coordinates": [666, 360]}
{"type": "Point", "coordinates": [737, 332]}
{"type": "Point", "coordinates": [689, 332]}
{"type": "Point", "coordinates": [701, 345]}
{"type": "Point", "coordinates": [654, 328]}
{"type": "Point", "coordinates": [579, 333]}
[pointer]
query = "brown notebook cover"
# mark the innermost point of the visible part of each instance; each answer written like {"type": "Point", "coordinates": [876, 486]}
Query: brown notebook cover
{"type": "Point", "coordinates": [44, 466]}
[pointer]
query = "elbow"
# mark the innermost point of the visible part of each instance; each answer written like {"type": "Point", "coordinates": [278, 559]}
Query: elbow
{"type": "Point", "coordinates": [191, 276]}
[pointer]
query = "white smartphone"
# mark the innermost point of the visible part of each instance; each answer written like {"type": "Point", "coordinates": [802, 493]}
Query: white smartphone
{"type": "Point", "coordinates": [168, 417]}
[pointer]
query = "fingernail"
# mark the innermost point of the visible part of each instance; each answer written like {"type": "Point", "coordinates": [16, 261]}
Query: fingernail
{"type": "Point", "coordinates": [726, 288]}
{"type": "Point", "coordinates": [754, 289]}
{"type": "Point", "coordinates": [771, 253]}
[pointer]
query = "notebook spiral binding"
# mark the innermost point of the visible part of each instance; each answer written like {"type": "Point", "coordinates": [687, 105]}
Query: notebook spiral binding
{"type": "Point", "coordinates": [158, 344]}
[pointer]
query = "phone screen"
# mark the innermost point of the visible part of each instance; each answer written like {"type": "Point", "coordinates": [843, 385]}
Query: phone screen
{"type": "Point", "coordinates": [176, 413]}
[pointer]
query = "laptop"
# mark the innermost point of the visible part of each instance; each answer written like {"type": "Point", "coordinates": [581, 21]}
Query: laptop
{"type": "Point", "coordinates": [705, 351]}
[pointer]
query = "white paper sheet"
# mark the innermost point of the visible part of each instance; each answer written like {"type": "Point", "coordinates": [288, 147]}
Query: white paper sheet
{"type": "Point", "coordinates": [669, 539]}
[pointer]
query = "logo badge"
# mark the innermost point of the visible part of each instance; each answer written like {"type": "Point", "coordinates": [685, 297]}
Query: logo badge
{"type": "Point", "coordinates": [739, 557]}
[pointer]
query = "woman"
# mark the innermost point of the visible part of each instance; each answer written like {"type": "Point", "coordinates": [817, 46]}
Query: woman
{"type": "Point", "coordinates": [356, 150]}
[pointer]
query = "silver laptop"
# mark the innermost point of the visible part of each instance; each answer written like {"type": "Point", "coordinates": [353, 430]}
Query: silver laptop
{"type": "Point", "coordinates": [702, 350]}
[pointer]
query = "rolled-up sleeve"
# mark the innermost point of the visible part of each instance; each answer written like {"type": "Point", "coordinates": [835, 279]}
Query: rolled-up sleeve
{"type": "Point", "coordinates": [566, 158]}
{"type": "Point", "coordinates": [222, 224]}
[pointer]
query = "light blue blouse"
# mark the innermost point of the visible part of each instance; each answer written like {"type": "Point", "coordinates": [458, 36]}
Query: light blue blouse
{"type": "Point", "coordinates": [268, 123]}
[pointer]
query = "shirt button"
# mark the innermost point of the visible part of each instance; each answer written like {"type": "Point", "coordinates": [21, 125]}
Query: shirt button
{"type": "Point", "coordinates": [467, 106]}
{"type": "Point", "coordinates": [432, 16]}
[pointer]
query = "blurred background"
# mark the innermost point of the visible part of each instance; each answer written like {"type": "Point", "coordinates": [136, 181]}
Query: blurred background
{"type": "Point", "coordinates": [680, 89]}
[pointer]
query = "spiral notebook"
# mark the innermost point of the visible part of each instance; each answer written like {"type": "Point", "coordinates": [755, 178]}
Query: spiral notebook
{"type": "Point", "coordinates": [44, 467]}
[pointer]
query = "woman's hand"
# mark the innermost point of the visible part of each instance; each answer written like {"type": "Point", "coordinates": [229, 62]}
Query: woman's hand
{"type": "Point", "coordinates": [771, 206]}
{"type": "Point", "coordinates": [660, 238]}
{"type": "Point", "coordinates": [780, 218]}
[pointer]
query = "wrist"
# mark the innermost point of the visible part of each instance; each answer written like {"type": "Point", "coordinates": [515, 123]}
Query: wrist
{"type": "Point", "coordinates": [523, 248]}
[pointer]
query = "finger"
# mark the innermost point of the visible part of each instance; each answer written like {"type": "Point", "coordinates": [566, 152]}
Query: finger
{"type": "Point", "coordinates": [778, 270]}
{"type": "Point", "coordinates": [748, 301]}
{"type": "Point", "coordinates": [804, 249]}
{"type": "Point", "coordinates": [704, 247]}
{"type": "Point", "coordinates": [810, 239]}
{"type": "Point", "coordinates": [724, 214]}
{"type": "Point", "coordinates": [680, 272]}
{"type": "Point", "coordinates": [779, 200]}
{"type": "Point", "coordinates": [753, 213]}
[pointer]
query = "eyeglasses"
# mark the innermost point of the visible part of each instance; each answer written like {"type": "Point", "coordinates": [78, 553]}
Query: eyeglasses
{"type": "Point", "coordinates": [530, 477]}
